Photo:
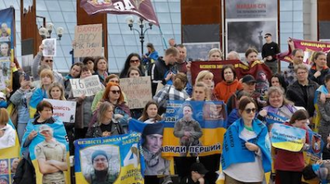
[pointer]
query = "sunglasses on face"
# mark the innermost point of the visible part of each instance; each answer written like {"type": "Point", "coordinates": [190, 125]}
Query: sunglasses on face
{"type": "Point", "coordinates": [115, 91]}
{"type": "Point", "coordinates": [266, 36]}
{"type": "Point", "coordinates": [135, 61]}
{"type": "Point", "coordinates": [49, 60]}
{"type": "Point", "coordinates": [253, 110]}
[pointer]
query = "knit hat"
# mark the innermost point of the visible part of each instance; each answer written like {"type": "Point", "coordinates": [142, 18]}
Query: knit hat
{"type": "Point", "coordinates": [97, 153]}
{"type": "Point", "coordinates": [154, 128]}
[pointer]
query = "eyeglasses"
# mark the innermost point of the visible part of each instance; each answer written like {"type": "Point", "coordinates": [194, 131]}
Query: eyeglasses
{"type": "Point", "coordinates": [250, 110]}
{"type": "Point", "coordinates": [266, 36]}
{"type": "Point", "coordinates": [115, 91]}
{"type": "Point", "coordinates": [49, 60]}
{"type": "Point", "coordinates": [301, 73]}
{"type": "Point", "coordinates": [134, 61]}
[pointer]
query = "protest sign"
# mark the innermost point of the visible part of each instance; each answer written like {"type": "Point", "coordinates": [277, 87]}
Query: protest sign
{"type": "Point", "coordinates": [272, 118]}
{"type": "Point", "coordinates": [287, 137]}
{"type": "Point", "coordinates": [65, 110]}
{"type": "Point", "coordinates": [7, 35]}
{"type": "Point", "coordinates": [88, 86]}
{"type": "Point", "coordinates": [152, 141]}
{"type": "Point", "coordinates": [88, 40]}
{"type": "Point", "coordinates": [49, 151]}
{"type": "Point", "coordinates": [207, 122]}
{"type": "Point", "coordinates": [316, 145]}
{"type": "Point", "coordinates": [49, 47]}
{"type": "Point", "coordinates": [9, 158]}
{"type": "Point", "coordinates": [120, 156]}
{"type": "Point", "coordinates": [137, 91]}
{"type": "Point", "coordinates": [241, 69]}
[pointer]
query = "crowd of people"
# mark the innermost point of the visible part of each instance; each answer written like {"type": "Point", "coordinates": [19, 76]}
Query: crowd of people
{"type": "Point", "coordinates": [290, 94]}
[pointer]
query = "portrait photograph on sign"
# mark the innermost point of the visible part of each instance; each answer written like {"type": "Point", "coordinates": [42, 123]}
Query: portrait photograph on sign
{"type": "Point", "coordinates": [49, 47]}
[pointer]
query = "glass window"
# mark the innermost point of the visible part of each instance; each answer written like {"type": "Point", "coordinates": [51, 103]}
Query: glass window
{"type": "Point", "coordinates": [56, 17]}
{"type": "Point", "coordinates": [41, 6]}
{"type": "Point", "coordinates": [53, 5]}
{"type": "Point", "coordinates": [161, 7]}
{"type": "Point", "coordinates": [115, 40]}
{"type": "Point", "coordinates": [70, 16]}
{"type": "Point", "coordinates": [174, 7]}
{"type": "Point", "coordinates": [67, 6]}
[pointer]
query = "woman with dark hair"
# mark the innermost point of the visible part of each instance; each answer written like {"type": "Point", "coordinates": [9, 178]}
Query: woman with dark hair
{"type": "Point", "coordinates": [289, 165]}
{"type": "Point", "coordinates": [133, 59]}
{"type": "Point", "coordinates": [246, 139]}
{"type": "Point", "coordinates": [101, 68]}
{"type": "Point", "coordinates": [151, 56]}
{"type": "Point", "coordinates": [319, 68]}
{"type": "Point", "coordinates": [75, 71]}
{"type": "Point", "coordinates": [150, 113]}
{"type": "Point", "coordinates": [278, 81]}
{"type": "Point", "coordinates": [106, 126]}
{"type": "Point", "coordinates": [229, 84]}
{"type": "Point", "coordinates": [89, 62]}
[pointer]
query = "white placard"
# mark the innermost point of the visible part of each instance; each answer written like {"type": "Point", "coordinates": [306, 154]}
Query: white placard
{"type": "Point", "coordinates": [88, 86]}
{"type": "Point", "coordinates": [49, 47]}
{"type": "Point", "coordinates": [65, 110]}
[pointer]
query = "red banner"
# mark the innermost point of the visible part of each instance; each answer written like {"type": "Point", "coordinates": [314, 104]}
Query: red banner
{"type": "Point", "coordinates": [241, 69]}
{"type": "Point", "coordinates": [309, 47]}
{"type": "Point", "coordinates": [141, 8]}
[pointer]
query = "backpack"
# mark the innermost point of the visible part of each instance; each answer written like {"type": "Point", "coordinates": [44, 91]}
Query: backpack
{"type": "Point", "coordinates": [25, 172]}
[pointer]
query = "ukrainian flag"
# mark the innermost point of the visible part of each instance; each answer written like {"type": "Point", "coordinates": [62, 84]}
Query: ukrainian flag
{"type": "Point", "coordinates": [38, 95]}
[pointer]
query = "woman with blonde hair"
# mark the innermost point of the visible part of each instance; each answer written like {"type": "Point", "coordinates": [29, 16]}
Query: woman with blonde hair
{"type": "Point", "coordinates": [200, 92]}
{"type": "Point", "coordinates": [56, 91]}
{"type": "Point", "coordinates": [47, 78]}
{"type": "Point", "coordinates": [7, 132]}
{"type": "Point", "coordinates": [215, 54]}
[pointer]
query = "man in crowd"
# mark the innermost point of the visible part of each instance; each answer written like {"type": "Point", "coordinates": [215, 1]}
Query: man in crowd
{"type": "Point", "coordinates": [297, 59]}
{"type": "Point", "coordinates": [152, 137]}
{"type": "Point", "coordinates": [233, 55]}
{"type": "Point", "coordinates": [181, 61]}
{"type": "Point", "coordinates": [198, 172]}
{"type": "Point", "coordinates": [40, 60]}
{"type": "Point", "coordinates": [51, 157]}
{"type": "Point", "coordinates": [188, 130]}
{"type": "Point", "coordinates": [100, 173]}
{"type": "Point", "coordinates": [302, 91]}
{"type": "Point", "coordinates": [162, 71]}
{"type": "Point", "coordinates": [171, 42]}
{"type": "Point", "coordinates": [3, 167]}
{"type": "Point", "coordinates": [249, 86]}
{"type": "Point", "coordinates": [4, 47]}
{"type": "Point", "coordinates": [268, 53]}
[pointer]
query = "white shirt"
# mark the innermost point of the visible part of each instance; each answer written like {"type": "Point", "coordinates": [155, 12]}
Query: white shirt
{"type": "Point", "coordinates": [8, 138]}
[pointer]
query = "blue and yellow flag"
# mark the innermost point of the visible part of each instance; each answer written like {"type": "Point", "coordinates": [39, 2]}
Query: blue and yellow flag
{"type": "Point", "coordinates": [114, 159]}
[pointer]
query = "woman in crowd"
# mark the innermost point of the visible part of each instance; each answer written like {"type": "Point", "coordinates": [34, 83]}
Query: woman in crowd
{"type": "Point", "coordinates": [114, 95]}
{"type": "Point", "coordinates": [278, 106]}
{"type": "Point", "coordinates": [206, 77]}
{"type": "Point", "coordinates": [172, 92]}
{"type": "Point", "coordinates": [133, 59]}
{"type": "Point", "coordinates": [7, 132]}
{"type": "Point", "coordinates": [47, 78]}
{"type": "Point", "coordinates": [278, 81]}
{"type": "Point", "coordinates": [229, 84]}
{"type": "Point", "coordinates": [234, 114]}
{"type": "Point", "coordinates": [101, 68]}
{"type": "Point", "coordinates": [215, 54]}
{"type": "Point", "coordinates": [200, 92]}
{"type": "Point", "coordinates": [150, 113]}
{"type": "Point", "coordinates": [75, 71]}
{"type": "Point", "coordinates": [134, 72]}
{"type": "Point", "coordinates": [106, 126]}
{"type": "Point", "coordinates": [89, 62]}
{"type": "Point", "coordinates": [246, 145]}
{"type": "Point", "coordinates": [19, 99]}
{"type": "Point", "coordinates": [288, 164]}
{"type": "Point", "coordinates": [111, 78]}
{"type": "Point", "coordinates": [56, 91]}
{"type": "Point", "coordinates": [319, 68]}
{"type": "Point", "coordinates": [83, 109]}
{"type": "Point", "coordinates": [151, 56]}
{"type": "Point", "coordinates": [323, 102]}
{"type": "Point", "coordinates": [251, 54]}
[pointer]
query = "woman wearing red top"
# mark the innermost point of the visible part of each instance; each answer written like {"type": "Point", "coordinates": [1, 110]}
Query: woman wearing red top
{"type": "Point", "coordinates": [229, 85]}
{"type": "Point", "coordinates": [288, 164]}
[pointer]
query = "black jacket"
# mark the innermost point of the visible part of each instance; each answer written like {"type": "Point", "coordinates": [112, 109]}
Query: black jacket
{"type": "Point", "coordinates": [295, 94]}
{"type": "Point", "coordinates": [157, 73]}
